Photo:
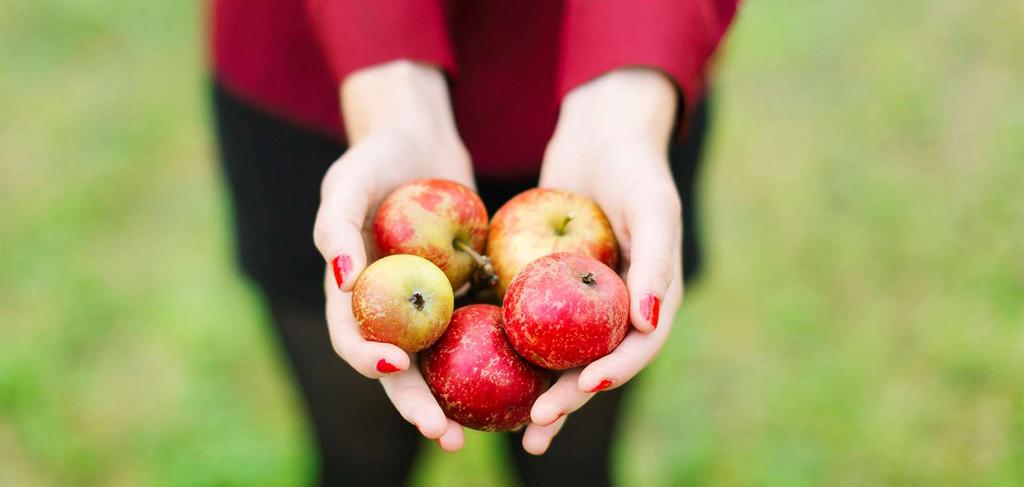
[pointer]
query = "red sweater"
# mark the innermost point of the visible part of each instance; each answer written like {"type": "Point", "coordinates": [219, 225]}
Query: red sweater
{"type": "Point", "coordinates": [510, 62]}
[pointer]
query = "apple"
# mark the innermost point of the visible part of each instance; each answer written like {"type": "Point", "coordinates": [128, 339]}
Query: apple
{"type": "Point", "coordinates": [404, 300]}
{"type": "Point", "coordinates": [476, 376]}
{"type": "Point", "coordinates": [543, 221]}
{"type": "Point", "coordinates": [439, 220]}
{"type": "Point", "coordinates": [566, 310]}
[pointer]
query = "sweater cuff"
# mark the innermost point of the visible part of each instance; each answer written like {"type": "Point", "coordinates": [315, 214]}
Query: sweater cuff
{"type": "Point", "coordinates": [676, 37]}
{"type": "Point", "coordinates": [355, 34]}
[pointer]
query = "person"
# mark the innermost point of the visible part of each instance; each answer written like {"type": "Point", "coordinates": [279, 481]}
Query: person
{"type": "Point", "coordinates": [323, 107]}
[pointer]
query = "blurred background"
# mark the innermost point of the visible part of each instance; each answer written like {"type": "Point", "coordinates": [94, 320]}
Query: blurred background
{"type": "Point", "coordinates": [861, 321]}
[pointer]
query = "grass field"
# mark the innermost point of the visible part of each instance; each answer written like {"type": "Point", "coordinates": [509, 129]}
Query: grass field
{"type": "Point", "coordinates": [861, 321]}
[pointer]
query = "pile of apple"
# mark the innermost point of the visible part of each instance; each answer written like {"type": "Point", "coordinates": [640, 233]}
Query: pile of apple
{"type": "Point", "coordinates": [548, 256]}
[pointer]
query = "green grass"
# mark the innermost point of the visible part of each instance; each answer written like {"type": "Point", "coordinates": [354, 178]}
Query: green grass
{"type": "Point", "coordinates": [861, 323]}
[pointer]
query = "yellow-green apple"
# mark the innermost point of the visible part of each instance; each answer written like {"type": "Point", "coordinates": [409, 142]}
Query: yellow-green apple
{"type": "Point", "coordinates": [566, 310]}
{"type": "Point", "coordinates": [476, 376]}
{"type": "Point", "coordinates": [543, 221]}
{"type": "Point", "coordinates": [439, 220]}
{"type": "Point", "coordinates": [404, 300]}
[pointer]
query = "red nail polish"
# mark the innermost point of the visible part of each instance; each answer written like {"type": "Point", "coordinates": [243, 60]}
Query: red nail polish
{"type": "Point", "coordinates": [649, 307]}
{"type": "Point", "coordinates": [605, 383]}
{"type": "Point", "coordinates": [341, 265]}
{"type": "Point", "coordinates": [385, 367]}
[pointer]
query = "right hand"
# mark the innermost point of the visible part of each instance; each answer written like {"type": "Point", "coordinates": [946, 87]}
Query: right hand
{"type": "Point", "coordinates": [400, 128]}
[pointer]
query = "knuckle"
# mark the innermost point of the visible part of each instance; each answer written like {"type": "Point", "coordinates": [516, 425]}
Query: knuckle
{"type": "Point", "coordinates": [661, 203]}
{"type": "Point", "coordinates": [674, 208]}
{"type": "Point", "coordinates": [676, 292]}
{"type": "Point", "coordinates": [339, 350]}
{"type": "Point", "coordinates": [343, 350]}
{"type": "Point", "coordinates": [670, 204]}
{"type": "Point", "coordinates": [332, 176]}
{"type": "Point", "coordinates": [658, 273]}
{"type": "Point", "coordinates": [662, 264]}
{"type": "Point", "coordinates": [321, 235]}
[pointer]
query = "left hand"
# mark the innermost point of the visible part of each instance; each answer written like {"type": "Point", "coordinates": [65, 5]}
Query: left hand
{"type": "Point", "coordinates": [611, 144]}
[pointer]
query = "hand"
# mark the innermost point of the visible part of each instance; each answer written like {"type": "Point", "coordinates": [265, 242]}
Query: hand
{"type": "Point", "coordinates": [611, 144]}
{"type": "Point", "coordinates": [400, 128]}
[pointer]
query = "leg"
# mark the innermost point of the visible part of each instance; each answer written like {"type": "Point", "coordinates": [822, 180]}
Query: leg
{"type": "Point", "coordinates": [581, 453]}
{"type": "Point", "coordinates": [274, 169]}
{"type": "Point", "coordinates": [360, 437]}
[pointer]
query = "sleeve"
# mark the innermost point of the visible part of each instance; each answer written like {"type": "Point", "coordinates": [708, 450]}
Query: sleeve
{"type": "Point", "coordinates": [674, 36]}
{"type": "Point", "coordinates": [354, 34]}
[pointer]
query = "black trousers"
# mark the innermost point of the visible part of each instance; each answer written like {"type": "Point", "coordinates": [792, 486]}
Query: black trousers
{"type": "Point", "coordinates": [273, 169]}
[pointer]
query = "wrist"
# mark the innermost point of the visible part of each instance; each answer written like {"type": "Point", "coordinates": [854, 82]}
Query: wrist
{"type": "Point", "coordinates": [401, 97]}
{"type": "Point", "coordinates": [628, 106]}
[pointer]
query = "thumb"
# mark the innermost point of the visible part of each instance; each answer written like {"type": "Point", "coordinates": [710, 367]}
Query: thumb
{"type": "Point", "coordinates": [655, 228]}
{"type": "Point", "coordinates": [344, 202]}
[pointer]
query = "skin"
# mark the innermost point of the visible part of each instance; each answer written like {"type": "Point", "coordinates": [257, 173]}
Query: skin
{"type": "Point", "coordinates": [425, 217]}
{"type": "Point", "coordinates": [404, 300]}
{"type": "Point", "coordinates": [610, 144]}
{"type": "Point", "coordinates": [543, 221]}
{"type": "Point", "coordinates": [566, 310]}
{"type": "Point", "coordinates": [477, 377]}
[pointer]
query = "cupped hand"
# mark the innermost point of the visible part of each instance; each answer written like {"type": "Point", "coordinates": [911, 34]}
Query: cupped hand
{"type": "Point", "coordinates": [611, 145]}
{"type": "Point", "coordinates": [401, 129]}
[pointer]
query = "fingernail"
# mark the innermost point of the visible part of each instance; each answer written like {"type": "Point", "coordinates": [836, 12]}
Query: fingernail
{"type": "Point", "coordinates": [341, 265]}
{"type": "Point", "coordinates": [649, 307]}
{"type": "Point", "coordinates": [605, 383]}
{"type": "Point", "coordinates": [385, 367]}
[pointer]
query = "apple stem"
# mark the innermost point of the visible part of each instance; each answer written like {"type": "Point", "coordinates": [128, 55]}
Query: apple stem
{"type": "Point", "coordinates": [588, 279]}
{"type": "Point", "coordinates": [483, 261]}
{"type": "Point", "coordinates": [560, 229]}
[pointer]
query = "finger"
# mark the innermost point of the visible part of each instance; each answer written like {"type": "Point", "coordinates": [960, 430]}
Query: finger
{"type": "Point", "coordinates": [454, 438]}
{"type": "Point", "coordinates": [560, 399]}
{"type": "Point", "coordinates": [618, 367]}
{"type": "Point", "coordinates": [537, 438]}
{"type": "Point", "coordinates": [345, 195]}
{"type": "Point", "coordinates": [636, 350]}
{"type": "Point", "coordinates": [371, 359]}
{"type": "Point", "coordinates": [654, 244]}
{"type": "Point", "coordinates": [413, 400]}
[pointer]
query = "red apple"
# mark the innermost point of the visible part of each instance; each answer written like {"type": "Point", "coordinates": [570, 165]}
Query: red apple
{"type": "Point", "coordinates": [404, 300]}
{"type": "Point", "coordinates": [476, 376]}
{"type": "Point", "coordinates": [439, 220]}
{"type": "Point", "coordinates": [566, 310]}
{"type": "Point", "coordinates": [543, 221]}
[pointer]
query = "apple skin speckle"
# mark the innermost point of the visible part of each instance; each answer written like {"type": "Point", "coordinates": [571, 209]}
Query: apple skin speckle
{"type": "Point", "coordinates": [476, 376]}
{"type": "Point", "coordinates": [556, 320]}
